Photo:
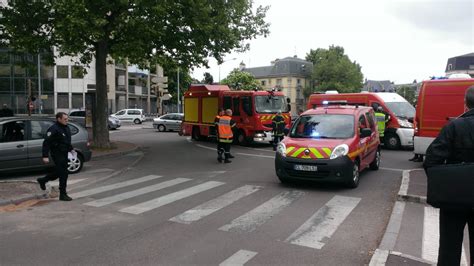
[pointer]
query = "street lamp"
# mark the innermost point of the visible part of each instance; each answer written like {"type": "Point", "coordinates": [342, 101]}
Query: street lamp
{"type": "Point", "coordinates": [220, 67]}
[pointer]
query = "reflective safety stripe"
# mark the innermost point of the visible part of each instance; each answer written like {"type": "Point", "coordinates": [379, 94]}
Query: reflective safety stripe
{"type": "Point", "coordinates": [297, 152]}
{"type": "Point", "coordinates": [315, 153]}
{"type": "Point", "coordinates": [289, 149]}
{"type": "Point", "coordinates": [327, 151]}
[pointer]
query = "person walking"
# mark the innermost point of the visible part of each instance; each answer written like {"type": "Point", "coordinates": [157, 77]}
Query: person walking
{"type": "Point", "coordinates": [278, 129]}
{"type": "Point", "coordinates": [224, 129]}
{"type": "Point", "coordinates": [454, 144]}
{"type": "Point", "coordinates": [58, 143]}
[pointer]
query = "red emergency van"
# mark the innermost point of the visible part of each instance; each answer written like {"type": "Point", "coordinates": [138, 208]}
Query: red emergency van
{"type": "Point", "coordinates": [330, 143]}
{"type": "Point", "coordinates": [253, 112]}
{"type": "Point", "coordinates": [438, 102]}
{"type": "Point", "coordinates": [398, 131]}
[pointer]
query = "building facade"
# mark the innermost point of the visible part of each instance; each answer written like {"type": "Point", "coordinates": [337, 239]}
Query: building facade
{"type": "Point", "coordinates": [463, 64]}
{"type": "Point", "coordinates": [290, 74]}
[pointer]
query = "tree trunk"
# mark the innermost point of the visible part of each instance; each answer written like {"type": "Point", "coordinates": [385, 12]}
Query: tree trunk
{"type": "Point", "coordinates": [100, 115]}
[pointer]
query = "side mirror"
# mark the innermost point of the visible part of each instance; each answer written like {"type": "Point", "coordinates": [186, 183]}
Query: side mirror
{"type": "Point", "coordinates": [288, 100]}
{"type": "Point", "coordinates": [365, 132]}
{"type": "Point", "coordinates": [286, 131]}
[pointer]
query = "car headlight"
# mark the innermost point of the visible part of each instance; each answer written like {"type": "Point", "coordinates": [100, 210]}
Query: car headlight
{"type": "Point", "coordinates": [339, 151]}
{"type": "Point", "coordinates": [404, 123]}
{"type": "Point", "coordinates": [281, 149]}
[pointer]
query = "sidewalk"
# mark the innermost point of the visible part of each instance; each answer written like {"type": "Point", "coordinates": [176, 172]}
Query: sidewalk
{"type": "Point", "coordinates": [14, 192]}
{"type": "Point", "coordinates": [412, 234]}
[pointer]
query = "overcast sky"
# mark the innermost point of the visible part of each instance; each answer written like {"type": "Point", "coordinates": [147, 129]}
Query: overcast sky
{"type": "Point", "coordinates": [397, 40]}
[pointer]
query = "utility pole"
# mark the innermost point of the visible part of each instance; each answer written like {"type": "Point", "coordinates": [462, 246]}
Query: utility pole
{"type": "Point", "coordinates": [29, 102]}
{"type": "Point", "coordinates": [179, 100]}
{"type": "Point", "coordinates": [148, 85]}
{"type": "Point", "coordinates": [39, 85]}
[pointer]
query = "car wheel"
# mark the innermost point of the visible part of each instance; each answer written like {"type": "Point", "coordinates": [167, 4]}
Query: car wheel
{"type": "Point", "coordinates": [392, 142]}
{"type": "Point", "coordinates": [241, 138]}
{"type": "Point", "coordinates": [196, 135]}
{"type": "Point", "coordinates": [354, 181]}
{"type": "Point", "coordinates": [137, 121]}
{"type": "Point", "coordinates": [75, 166]}
{"type": "Point", "coordinates": [161, 128]}
{"type": "Point", "coordinates": [375, 164]}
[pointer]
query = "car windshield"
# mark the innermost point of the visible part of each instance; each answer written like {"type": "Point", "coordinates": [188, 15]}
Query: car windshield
{"type": "Point", "coordinates": [323, 126]}
{"type": "Point", "coordinates": [270, 104]}
{"type": "Point", "coordinates": [401, 109]}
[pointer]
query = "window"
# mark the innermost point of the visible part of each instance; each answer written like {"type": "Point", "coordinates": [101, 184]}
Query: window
{"type": "Point", "coordinates": [270, 82]}
{"type": "Point", "coordinates": [78, 113]}
{"type": "Point", "coordinates": [12, 131]}
{"type": "Point", "coordinates": [77, 72]}
{"type": "Point", "coordinates": [236, 110]}
{"type": "Point", "coordinates": [289, 81]}
{"type": "Point", "coordinates": [39, 128]}
{"type": "Point", "coordinates": [19, 71]}
{"type": "Point", "coordinates": [62, 72]}
{"type": "Point", "coordinates": [77, 100]}
{"type": "Point", "coordinates": [263, 82]}
{"type": "Point", "coordinates": [47, 72]}
{"type": "Point", "coordinates": [298, 81]}
{"type": "Point", "coordinates": [370, 118]}
{"type": "Point", "coordinates": [74, 130]}
{"type": "Point", "coordinates": [63, 100]}
{"type": "Point", "coordinates": [133, 112]}
{"type": "Point", "coordinates": [227, 102]}
{"type": "Point", "coordinates": [5, 71]}
{"type": "Point", "coordinates": [450, 66]}
{"type": "Point", "coordinates": [4, 57]}
{"type": "Point", "coordinates": [5, 85]}
{"type": "Point", "coordinates": [362, 122]}
{"type": "Point", "coordinates": [166, 117]}
{"type": "Point", "coordinates": [323, 126]}
{"type": "Point", "coordinates": [471, 67]}
{"type": "Point", "coordinates": [278, 83]}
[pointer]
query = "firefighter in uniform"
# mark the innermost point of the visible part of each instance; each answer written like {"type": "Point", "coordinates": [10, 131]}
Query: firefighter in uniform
{"type": "Point", "coordinates": [278, 128]}
{"type": "Point", "coordinates": [224, 129]}
{"type": "Point", "coordinates": [216, 123]}
{"type": "Point", "coordinates": [382, 119]}
{"type": "Point", "coordinates": [58, 143]}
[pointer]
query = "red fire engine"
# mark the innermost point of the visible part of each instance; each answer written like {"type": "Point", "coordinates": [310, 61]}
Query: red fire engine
{"type": "Point", "coordinates": [253, 112]}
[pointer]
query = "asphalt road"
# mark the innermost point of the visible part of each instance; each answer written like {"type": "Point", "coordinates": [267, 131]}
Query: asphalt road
{"type": "Point", "coordinates": [178, 205]}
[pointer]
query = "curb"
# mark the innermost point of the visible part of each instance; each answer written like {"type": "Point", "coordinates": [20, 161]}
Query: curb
{"type": "Point", "coordinates": [16, 201]}
{"type": "Point", "coordinates": [390, 236]}
{"type": "Point", "coordinates": [115, 154]}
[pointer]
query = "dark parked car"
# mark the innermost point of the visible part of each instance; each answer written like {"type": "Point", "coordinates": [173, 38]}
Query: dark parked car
{"type": "Point", "coordinates": [168, 122]}
{"type": "Point", "coordinates": [21, 142]}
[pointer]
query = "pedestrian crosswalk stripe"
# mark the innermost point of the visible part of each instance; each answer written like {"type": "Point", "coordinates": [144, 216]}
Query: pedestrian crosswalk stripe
{"type": "Point", "coordinates": [69, 182]}
{"type": "Point", "coordinates": [239, 258]}
{"type": "Point", "coordinates": [98, 190]}
{"type": "Point", "coordinates": [258, 216]}
{"type": "Point", "coordinates": [430, 244]}
{"type": "Point", "coordinates": [324, 222]}
{"type": "Point", "coordinates": [214, 205]}
{"type": "Point", "coordinates": [134, 193]}
{"type": "Point", "coordinates": [167, 199]}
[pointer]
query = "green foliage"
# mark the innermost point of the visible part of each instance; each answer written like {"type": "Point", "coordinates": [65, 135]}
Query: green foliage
{"type": "Point", "coordinates": [208, 78]}
{"type": "Point", "coordinates": [167, 32]}
{"type": "Point", "coordinates": [333, 70]}
{"type": "Point", "coordinates": [409, 93]}
{"type": "Point", "coordinates": [240, 80]}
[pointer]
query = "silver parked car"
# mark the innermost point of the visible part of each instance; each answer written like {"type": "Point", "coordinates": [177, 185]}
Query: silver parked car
{"type": "Point", "coordinates": [168, 122]}
{"type": "Point", "coordinates": [21, 143]}
{"type": "Point", "coordinates": [79, 116]}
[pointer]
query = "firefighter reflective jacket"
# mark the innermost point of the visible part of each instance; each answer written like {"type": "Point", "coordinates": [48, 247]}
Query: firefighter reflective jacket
{"type": "Point", "coordinates": [380, 122]}
{"type": "Point", "coordinates": [224, 126]}
{"type": "Point", "coordinates": [278, 125]}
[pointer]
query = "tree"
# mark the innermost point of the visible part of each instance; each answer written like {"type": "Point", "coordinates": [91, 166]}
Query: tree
{"type": "Point", "coordinates": [333, 70]}
{"type": "Point", "coordinates": [409, 93]}
{"type": "Point", "coordinates": [208, 79]}
{"type": "Point", "coordinates": [183, 32]}
{"type": "Point", "coordinates": [240, 80]}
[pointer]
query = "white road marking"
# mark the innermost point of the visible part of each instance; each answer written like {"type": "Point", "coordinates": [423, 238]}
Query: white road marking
{"type": "Point", "coordinates": [239, 258]}
{"type": "Point", "coordinates": [98, 190]}
{"type": "Point", "coordinates": [134, 193]}
{"type": "Point", "coordinates": [430, 244]}
{"type": "Point", "coordinates": [324, 222]}
{"type": "Point", "coordinates": [69, 182]}
{"type": "Point", "coordinates": [100, 170]}
{"type": "Point", "coordinates": [405, 182]}
{"type": "Point", "coordinates": [391, 169]}
{"type": "Point", "coordinates": [209, 148]}
{"type": "Point", "coordinates": [258, 216]}
{"type": "Point", "coordinates": [170, 198]}
{"type": "Point", "coordinates": [214, 205]}
{"type": "Point", "coordinates": [256, 155]}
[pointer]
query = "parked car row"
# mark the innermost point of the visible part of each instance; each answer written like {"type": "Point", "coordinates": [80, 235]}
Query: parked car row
{"type": "Point", "coordinates": [21, 142]}
{"type": "Point", "coordinates": [79, 116]}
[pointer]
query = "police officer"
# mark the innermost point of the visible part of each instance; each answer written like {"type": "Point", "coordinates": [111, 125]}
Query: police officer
{"type": "Point", "coordinates": [278, 128]}
{"type": "Point", "coordinates": [58, 143]}
{"type": "Point", "coordinates": [226, 136]}
{"type": "Point", "coordinates": [382, 119]}
{"type": "Point", "coordinates": [454, 144]}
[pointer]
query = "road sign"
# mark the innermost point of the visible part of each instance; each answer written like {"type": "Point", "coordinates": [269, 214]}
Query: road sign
{"type": "Point", "coordinates": [159, 79]}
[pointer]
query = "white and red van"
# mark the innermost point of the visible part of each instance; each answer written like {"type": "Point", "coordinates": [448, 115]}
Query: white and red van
{"type": "Point", "coordinates": [398, 131]}
{"type": "Point", "coordinates": [438, 102]}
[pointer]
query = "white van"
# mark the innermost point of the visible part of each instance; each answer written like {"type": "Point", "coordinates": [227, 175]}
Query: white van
{"type": "Point", "coordinates": [133, 115]}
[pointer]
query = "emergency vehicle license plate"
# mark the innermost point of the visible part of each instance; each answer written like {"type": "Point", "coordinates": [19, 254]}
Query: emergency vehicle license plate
{"type": "Point", "coordinates": [300, 167]}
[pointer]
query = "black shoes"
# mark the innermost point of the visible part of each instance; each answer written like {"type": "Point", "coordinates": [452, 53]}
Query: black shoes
{"type": "Point", "coordinates": [231, 156]}
{"type": "Point", "coordinates": [227, 161]}
{"type": "Point", "coordinates": [219, 159]}
{"type": "Point", "coordinates": [42, 183]}
{"type": "Point", "coordinates": [64, 197]}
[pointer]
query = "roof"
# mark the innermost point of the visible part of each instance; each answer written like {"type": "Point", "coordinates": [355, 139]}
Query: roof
{"type": "Point", "coordinates": [207, 87]}
{"type": "Point", "coordinates": [389, 97]}
{"type": "Point", "coordinates": [462, 62]}
{"type": "Point", "coordinates": [288, 66]}
{"type": "Point", "coordinates": [337, 109]}
{"type": "Point", "coordinates": [379, 86]}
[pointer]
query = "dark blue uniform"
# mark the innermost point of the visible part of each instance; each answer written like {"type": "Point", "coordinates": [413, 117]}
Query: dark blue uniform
{"type": "Point", "coordinates": [278, 129]}
{"type": "Point", "coordinates": [58, 143]}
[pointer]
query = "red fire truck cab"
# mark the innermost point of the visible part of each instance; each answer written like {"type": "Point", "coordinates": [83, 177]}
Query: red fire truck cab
{"type": "Point", "coordinates": [253, 112]}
